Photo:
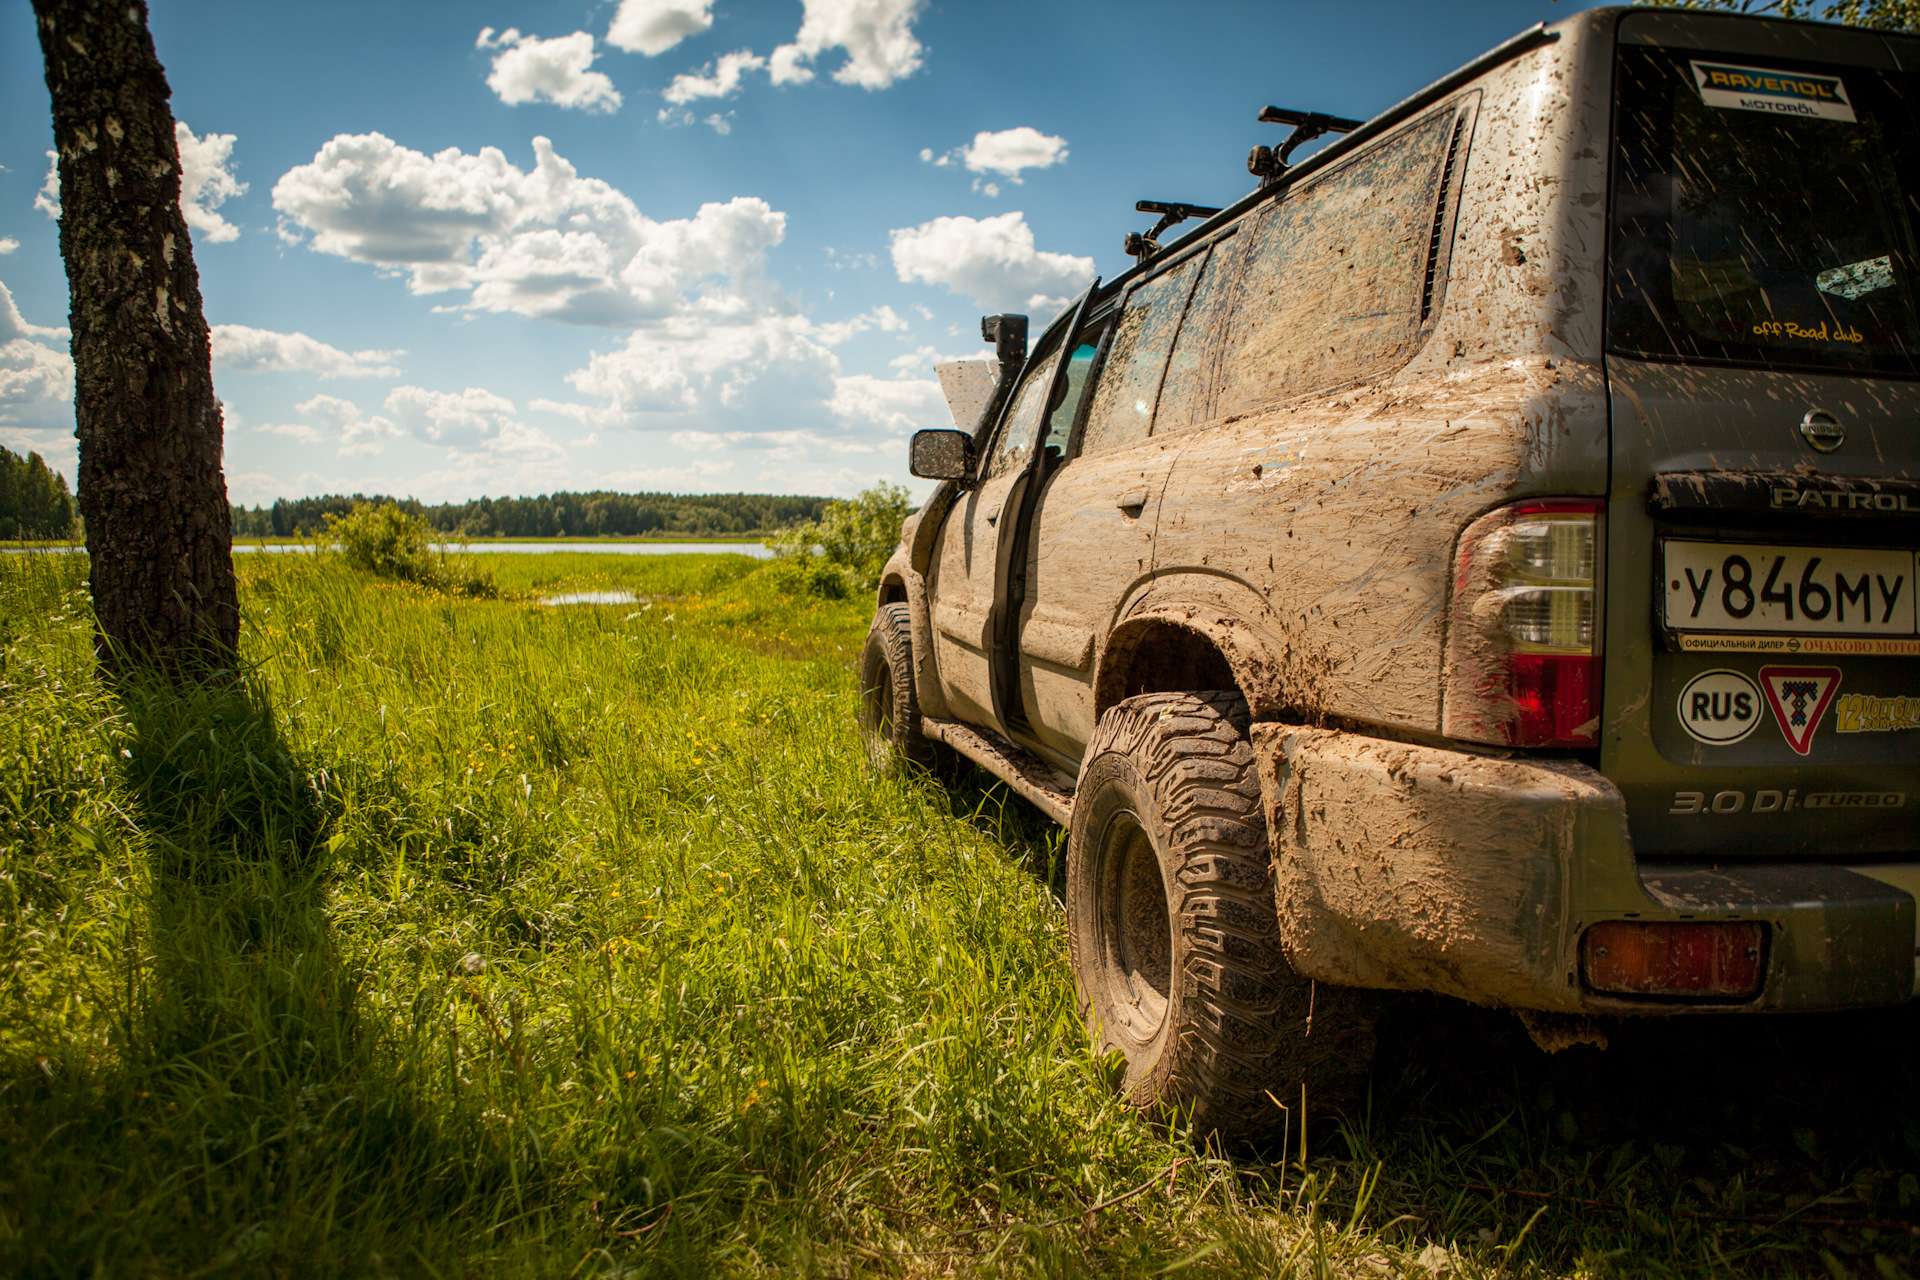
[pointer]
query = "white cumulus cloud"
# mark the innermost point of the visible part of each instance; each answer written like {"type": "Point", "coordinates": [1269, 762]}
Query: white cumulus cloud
{"type": "Point", "coordinates": [7, 245]}
{"type": "Point", "coordinates": [47, 199]}
{"type": "Point", "coordinates": [473, 423]}
{"type": "Point", "coordinates": [679, 117]}
{"type": "Point", "coordinates": [654, 26]}
{"type": "Point", "coordinates": [546, 243]}
{"type": "Point", "coordinates": [989, 260]}
{"type": "Point", "coordinates": [249, 350]}
{"type": "Point", "coordinates": [719, 80]}
{"type": "Point", "coordinates": [1011, 150]}
{"type": "Point", "coordinates": [529, 69]}
{"type": "Point", "coordinates": [207, 181]}
{"type": "Point", "coordinates": [698, 476]}
{"type": "Point", "coordinates": [782, 446]}
{"type": "Point", "coordinates": [467, 419]}
{"type": "Point", "coordinates": [876, 34]}
{"type": "Point", "coordinates": [36, 378]}
{"type": "Point", "coordinates": [716, 360]}
{"type": "Point", "coordinates": [898, 405]}
{"type": "Point", "coordinates": [342, 423]}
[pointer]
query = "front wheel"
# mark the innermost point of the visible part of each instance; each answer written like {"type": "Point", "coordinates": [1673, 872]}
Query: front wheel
{"type": "Point", "coordinates": [889, 707]}
{"type": "Point", "coordinates": [1175, 943]}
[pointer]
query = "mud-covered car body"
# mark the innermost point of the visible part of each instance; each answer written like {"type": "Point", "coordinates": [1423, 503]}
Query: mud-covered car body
{"type": "Point", "coordinates": [1464, 451]}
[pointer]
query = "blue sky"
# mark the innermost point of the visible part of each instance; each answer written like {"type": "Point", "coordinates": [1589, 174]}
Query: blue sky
{"type": "Point", "coordinates": [512, 247]}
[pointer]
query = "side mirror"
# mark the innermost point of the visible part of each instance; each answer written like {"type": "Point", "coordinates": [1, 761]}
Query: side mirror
{"type": "Point", "coordinates": [1008, 334]}
{"type": "Point", "coordinates": [941, 455]}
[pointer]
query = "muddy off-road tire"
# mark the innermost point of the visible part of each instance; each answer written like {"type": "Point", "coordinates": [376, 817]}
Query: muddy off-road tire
{"type": "Point", "coordinates": [889, 707]}
{"type": "Point", "coordinates": [1176, 950]}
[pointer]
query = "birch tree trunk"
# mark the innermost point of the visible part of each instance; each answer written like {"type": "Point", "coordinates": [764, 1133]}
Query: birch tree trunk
{"type": "Point", "coordinates": [151, 488]}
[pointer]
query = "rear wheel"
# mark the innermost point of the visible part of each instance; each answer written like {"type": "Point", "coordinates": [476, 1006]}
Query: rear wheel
{"type": "Point", "coordinates": [889, 707]}
{"type": "Point", "coordinates": [1176, 949]}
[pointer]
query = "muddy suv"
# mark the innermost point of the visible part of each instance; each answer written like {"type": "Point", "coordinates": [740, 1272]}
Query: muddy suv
{"type": "Point", "coordinates": [1479, 561]}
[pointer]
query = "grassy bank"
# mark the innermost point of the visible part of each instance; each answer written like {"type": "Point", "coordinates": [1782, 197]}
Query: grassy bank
{"type": "Point", "coordinates": [480, 938]}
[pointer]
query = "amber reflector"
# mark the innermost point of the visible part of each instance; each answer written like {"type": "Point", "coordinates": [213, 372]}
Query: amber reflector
{"type": "Point", "coordinates": [1632, 958]}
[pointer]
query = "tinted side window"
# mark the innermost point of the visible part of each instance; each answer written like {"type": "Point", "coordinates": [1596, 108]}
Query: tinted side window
{"type": "Point", "coordinates": [1184, 396]}
{"type": "Point", "coordinates": [1022, 422]}
{"type": "Point", "coordinates": [1079, 365]}
{"type": "Point", "coordinates": [1334, 274]}
{"type": "Point", "coordinates": [1122, 411]}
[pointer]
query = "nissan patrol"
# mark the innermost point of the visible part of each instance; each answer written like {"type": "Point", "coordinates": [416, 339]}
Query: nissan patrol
{"type": "Point", "coordinates": [1481, 561]}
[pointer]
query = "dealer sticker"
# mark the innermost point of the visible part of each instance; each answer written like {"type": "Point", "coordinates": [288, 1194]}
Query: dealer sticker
{"type": "Point", "coordinates": [1775, 92]}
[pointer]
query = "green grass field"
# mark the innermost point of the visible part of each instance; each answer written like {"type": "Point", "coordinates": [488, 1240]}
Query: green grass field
{"type": "Point", "coordinates": [480, 938]}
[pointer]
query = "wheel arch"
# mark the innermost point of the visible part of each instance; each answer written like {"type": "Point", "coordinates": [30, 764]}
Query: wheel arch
{"type": "Point", "coordinates": [1182, 648]}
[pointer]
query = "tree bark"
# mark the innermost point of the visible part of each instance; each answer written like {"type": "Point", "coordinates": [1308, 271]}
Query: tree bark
{"type": "Point", "coordinates": [151, 488]}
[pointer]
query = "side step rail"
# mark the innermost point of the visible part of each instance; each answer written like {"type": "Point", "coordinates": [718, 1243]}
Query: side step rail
{"type": "Point", "coordinates": [1030, 777]}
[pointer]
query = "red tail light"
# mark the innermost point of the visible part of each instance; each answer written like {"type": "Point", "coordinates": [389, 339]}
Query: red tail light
{"type": "Point", "coordinates": [1636, 958]}
{"type": "Point", "coordinates": [1523, 639]}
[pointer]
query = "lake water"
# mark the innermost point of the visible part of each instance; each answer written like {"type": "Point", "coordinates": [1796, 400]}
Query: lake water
{"type": "Point", "coordinates": [754, 549]}
{"type": "Point", "coordinates": [592, 597]}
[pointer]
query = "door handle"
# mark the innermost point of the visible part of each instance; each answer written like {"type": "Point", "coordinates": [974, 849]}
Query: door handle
{"type": "Point", "coordinates": [1132, 501]}
{"type": "Point", "coordinates": [993, 516]}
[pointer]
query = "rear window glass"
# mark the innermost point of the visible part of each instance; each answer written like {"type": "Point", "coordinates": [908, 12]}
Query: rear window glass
{"type": "Point", "coordinates": [1762, 214]}
{"type": "Point", "coordinates": [1122, 411]}
{"type": "Point", "coordinates": [1332, 287]}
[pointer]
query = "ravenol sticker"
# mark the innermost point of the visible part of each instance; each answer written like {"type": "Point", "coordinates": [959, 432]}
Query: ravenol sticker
{"type": "Point", "coordinates": [1720, 708]}
{"type": "Point", "coordinates": [1799, 698]}
{"type": "Point", "coordinates": [1780, 93]}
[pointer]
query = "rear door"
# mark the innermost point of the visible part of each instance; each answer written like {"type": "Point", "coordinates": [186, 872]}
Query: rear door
{"type": "Point", "coordinates": [1091, 541]}
{"type": "Point", "coordinates": [1763, 669]}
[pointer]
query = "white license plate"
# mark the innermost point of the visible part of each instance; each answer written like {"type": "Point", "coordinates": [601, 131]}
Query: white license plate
{"type": "Point", "coordinates": [1728, 586]}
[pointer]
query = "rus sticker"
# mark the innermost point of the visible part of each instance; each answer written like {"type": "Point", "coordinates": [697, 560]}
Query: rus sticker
{"type": "Point", "coordinates": [1720, 707]}
{"type": "Point", "coordinates": [1779, 93]}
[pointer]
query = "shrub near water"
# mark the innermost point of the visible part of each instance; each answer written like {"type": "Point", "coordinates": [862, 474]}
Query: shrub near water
{"type": "Point", "coordinates": [382, 539]}
{"type": "Point", "coordinates": [843, 552]}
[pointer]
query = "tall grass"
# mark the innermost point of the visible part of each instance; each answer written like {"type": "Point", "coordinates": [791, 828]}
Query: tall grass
{"type": "Point", "coordinates": [482, 938]}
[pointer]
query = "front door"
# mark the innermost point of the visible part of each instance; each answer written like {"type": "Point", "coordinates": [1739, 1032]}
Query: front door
{"type": "Point", "coordinates": [966, 568]}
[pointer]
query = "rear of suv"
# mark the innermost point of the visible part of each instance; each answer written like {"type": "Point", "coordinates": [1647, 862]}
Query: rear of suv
{"type": "Point", "coordinates": [1479, 561]}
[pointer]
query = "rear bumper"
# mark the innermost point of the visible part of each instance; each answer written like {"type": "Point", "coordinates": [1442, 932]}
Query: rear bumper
{"type": "Point", "coordinates": [1416, 868]}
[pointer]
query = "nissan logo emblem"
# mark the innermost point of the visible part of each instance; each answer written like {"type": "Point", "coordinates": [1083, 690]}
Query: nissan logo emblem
{"type": "Point", "coordinates": [1822, 431]}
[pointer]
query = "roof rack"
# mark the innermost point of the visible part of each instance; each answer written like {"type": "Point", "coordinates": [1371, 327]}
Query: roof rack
{"type": "Point", "coordinates": [1532, 38]}
{"type": "Point", "coordinates": [1268, 163]}
{"type": "Point", "coordinates": [1172, 213]}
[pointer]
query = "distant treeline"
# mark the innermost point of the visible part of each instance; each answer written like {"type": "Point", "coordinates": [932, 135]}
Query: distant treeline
{"type": "Point", "coordinates": [568, 515]}
{"type": "Point", "coordinates": [34, 501]}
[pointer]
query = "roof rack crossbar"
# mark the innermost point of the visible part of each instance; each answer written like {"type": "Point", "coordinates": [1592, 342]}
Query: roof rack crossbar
{"type": "Point", "coordinates": [1171, 213]}
{"type": "Point", "coordinates": [1307, 125]}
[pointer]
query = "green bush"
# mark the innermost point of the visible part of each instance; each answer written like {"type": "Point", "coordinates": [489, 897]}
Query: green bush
{"type": "Point", "coordinates": [808, 575]}
{"type": "Point", "coordinates": [391, 543]}
{"type": "Point", "coordinates": [845, 549]}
